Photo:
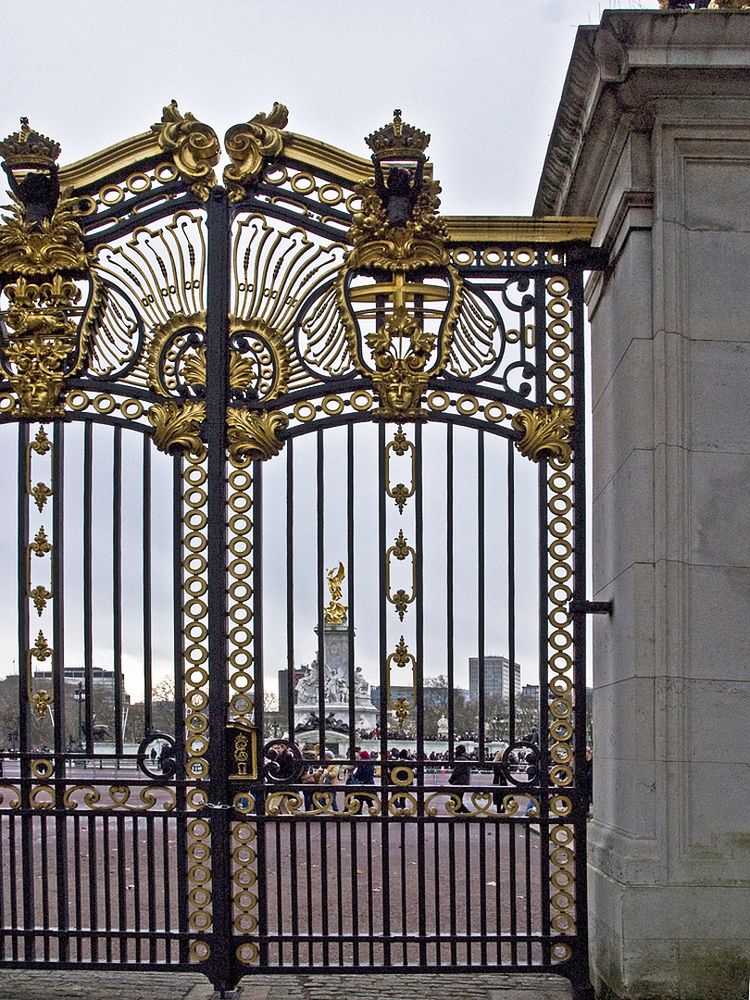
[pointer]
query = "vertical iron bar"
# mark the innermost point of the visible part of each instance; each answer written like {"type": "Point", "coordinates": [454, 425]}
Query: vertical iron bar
{"type": "Point", "coordinates": [579, 623]}
{"type": "Point", "coordinates": [419, 688]}
{"type": "Point", "coordinates": [217, 383]}
{"type": "Point", "coordinates": [107, 871]}
{"type": "Point", "coordinates": [146, 547]}
{"type": "Point", "coordinates": [449, 590]}
{"type": "Point", "coordinates": [25, 676]}
{"type": "Point", "coordinates": [480, 588]}
{"type": "Point", "coordinates": [350, 586]}
{"type": "Point", "coordinates": [320, 509]}
{"type": "Point", "coordinates": [384, 686]}
{"type": "Point", "coordinates": [258, 706]}
{"type": "Point", "coordinates": [511, 594]}
{"type": "Point", "coordinates": [58, 681]}
{"type": "Point", "coordinates": [88, 587]}
{"type": "Point", "coordinates": [179, 713]}
{"type": "Point", "coordinates": [117, 586]}
{"type": "Point", "coordinates": [290, 686]}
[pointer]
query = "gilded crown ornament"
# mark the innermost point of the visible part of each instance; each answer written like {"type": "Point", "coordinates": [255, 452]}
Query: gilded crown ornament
{"type": "Point", "coordinates": [398, 140]}
{"type": "Point", "coordinates": [28, 149]}
{"type": "Point", "coordinates": [398, 293]}
{"type": "Point", "coordinates": [43, 260]}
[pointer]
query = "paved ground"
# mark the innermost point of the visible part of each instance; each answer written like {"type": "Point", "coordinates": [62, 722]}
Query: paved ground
{"type": "Point", "coordinates": [24, 985]}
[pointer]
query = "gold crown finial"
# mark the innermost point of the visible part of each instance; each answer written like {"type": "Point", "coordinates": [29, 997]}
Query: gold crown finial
{"type": "Point", "coordinates": [29, 149]}
{"type": "Point", "coordinates": [398, 140]}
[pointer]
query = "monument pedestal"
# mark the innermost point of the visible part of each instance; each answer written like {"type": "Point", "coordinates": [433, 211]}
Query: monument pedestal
{"type": "Point", "coordinates": [336, 688]}
{"type": "Point", "coordinates": [653, 137]}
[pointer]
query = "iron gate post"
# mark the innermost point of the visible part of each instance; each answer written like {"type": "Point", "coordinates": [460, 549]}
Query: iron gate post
{"type": "Point", "coordinates": [219, 963]}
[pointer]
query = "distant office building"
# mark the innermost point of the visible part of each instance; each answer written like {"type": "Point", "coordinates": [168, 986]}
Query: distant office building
{"type": "Point", "coordinates": [530, 693]}
{"type": "Point", "coordinates": [496, 677]}
{"type": "Point", "coordinates": [75, 675]}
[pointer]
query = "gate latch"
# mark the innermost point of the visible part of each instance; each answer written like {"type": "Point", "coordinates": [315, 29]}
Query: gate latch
{"type": "Point", "coordinates": [580, 607]}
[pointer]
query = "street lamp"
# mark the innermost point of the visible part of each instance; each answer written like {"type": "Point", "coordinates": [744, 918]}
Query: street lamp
{"type": "Point", "coordinates": [80, 696]}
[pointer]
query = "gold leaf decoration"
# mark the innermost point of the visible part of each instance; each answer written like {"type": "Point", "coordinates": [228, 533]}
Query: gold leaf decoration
{"type": "Point", "coordinates": [401, 654]}
{"type": "Point", "coordinates": [40, 595]}
{"type": "Point", "coordinates": [41, 443]}
{"type": "Point", "coordinates": [194, 147]}
{"type": "Point", "coordinates": [41, 650]}
{"type": "Point", "coordinates": [41, 701]}
{"type": "Point", "coordinates": [41, 340]}
{"type": "Point", "coordinates": [249, 145]}
{"type": "Point", "coordinates": [253, 434]}
{"type": "Point", "coordinates": [37, 248]}
{"type": "Point", "coordinates": [178, 426]}
{"type": "Point", "coordinates": [41, 544]}
{"type": "Point", "coordinates": [545, 430]}
{"type": "Point", "coordinates": [41, 494]}
{"type": "Point", "coordinates": [401, 548]}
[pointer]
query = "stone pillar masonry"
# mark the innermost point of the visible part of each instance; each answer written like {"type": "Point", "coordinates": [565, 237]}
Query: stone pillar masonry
{"type": "Point", "coordinates": [652, 136]}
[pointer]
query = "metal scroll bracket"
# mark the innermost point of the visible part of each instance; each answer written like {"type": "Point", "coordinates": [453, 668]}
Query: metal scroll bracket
{"type": "Point", "coordinates": [580, 607]}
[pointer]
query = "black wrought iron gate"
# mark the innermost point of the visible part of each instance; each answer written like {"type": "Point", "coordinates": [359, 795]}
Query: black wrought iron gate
{"type": "Point", "coordinates": [299, 493]}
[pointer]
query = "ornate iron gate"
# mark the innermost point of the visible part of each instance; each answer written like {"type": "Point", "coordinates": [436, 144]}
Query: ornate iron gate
{"type": "Point", "coordinates": [368, 427]}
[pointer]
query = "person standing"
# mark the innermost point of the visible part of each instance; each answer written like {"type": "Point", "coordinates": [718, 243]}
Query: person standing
{"type": "Point", "coordinates": [460, 775]}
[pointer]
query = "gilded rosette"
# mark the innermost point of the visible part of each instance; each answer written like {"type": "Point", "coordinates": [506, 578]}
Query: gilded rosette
{"type": "Point", "coordinates": [194, 147]}
{"type": "Point", "coordinates": [249, 145]}
{"type": "Point", "coordinates": [253, 434]}
{"type": "Point", "coordinates": [545, 430]}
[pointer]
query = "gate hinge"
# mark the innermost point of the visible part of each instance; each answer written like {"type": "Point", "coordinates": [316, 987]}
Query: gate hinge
{"type": "Point", "coordinates": [580, 607]}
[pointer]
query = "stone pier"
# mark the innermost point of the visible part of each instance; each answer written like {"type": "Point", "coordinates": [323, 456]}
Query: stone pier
{"type": "Point", "coordinates": [653, 137]}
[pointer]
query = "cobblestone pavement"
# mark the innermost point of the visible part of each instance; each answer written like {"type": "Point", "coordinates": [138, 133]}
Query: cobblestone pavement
{"type": "Point", "coordinates": [24, 985]}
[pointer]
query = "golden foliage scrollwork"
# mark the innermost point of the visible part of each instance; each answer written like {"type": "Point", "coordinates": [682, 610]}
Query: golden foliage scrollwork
{"type": "Point", "coordinates": [194, 147]}
{"type": "Point", "coordinates": [249, 145]}
{"type": "Point", "coordinates": [545, 429]}
{"type": "Point", "coordinates": [421, 242]}
{"type": "Point", "coordinates": [119, 797]}
{"type": "Point", "coordinates": [253, 434]}
{"type": "Point", "coordinates": [178, 426]}
{"type": "Point", "coordinates": [43, 247]}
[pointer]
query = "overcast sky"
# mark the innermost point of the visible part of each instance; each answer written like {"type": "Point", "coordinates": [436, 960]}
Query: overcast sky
{"type": "Point", "coordinates": [484, 78]}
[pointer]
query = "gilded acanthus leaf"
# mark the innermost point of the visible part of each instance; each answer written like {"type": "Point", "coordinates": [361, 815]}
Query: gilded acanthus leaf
{"type": "Point", "coordinates": [194, 147]}
{"type": "Point", "coordinates": [43, 247]}
{"type": "Point", "coordinates": [249, 145]}
{"type": "Point", "coordinates": [253, 434]}
{"type": "Point", "coordinates": [545, 430]}
{"type": "Point", "coordinates": [178, 426]}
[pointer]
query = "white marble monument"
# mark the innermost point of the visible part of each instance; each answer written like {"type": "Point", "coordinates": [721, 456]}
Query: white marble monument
{"type": "Point", "coordinates": [336, 676]}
